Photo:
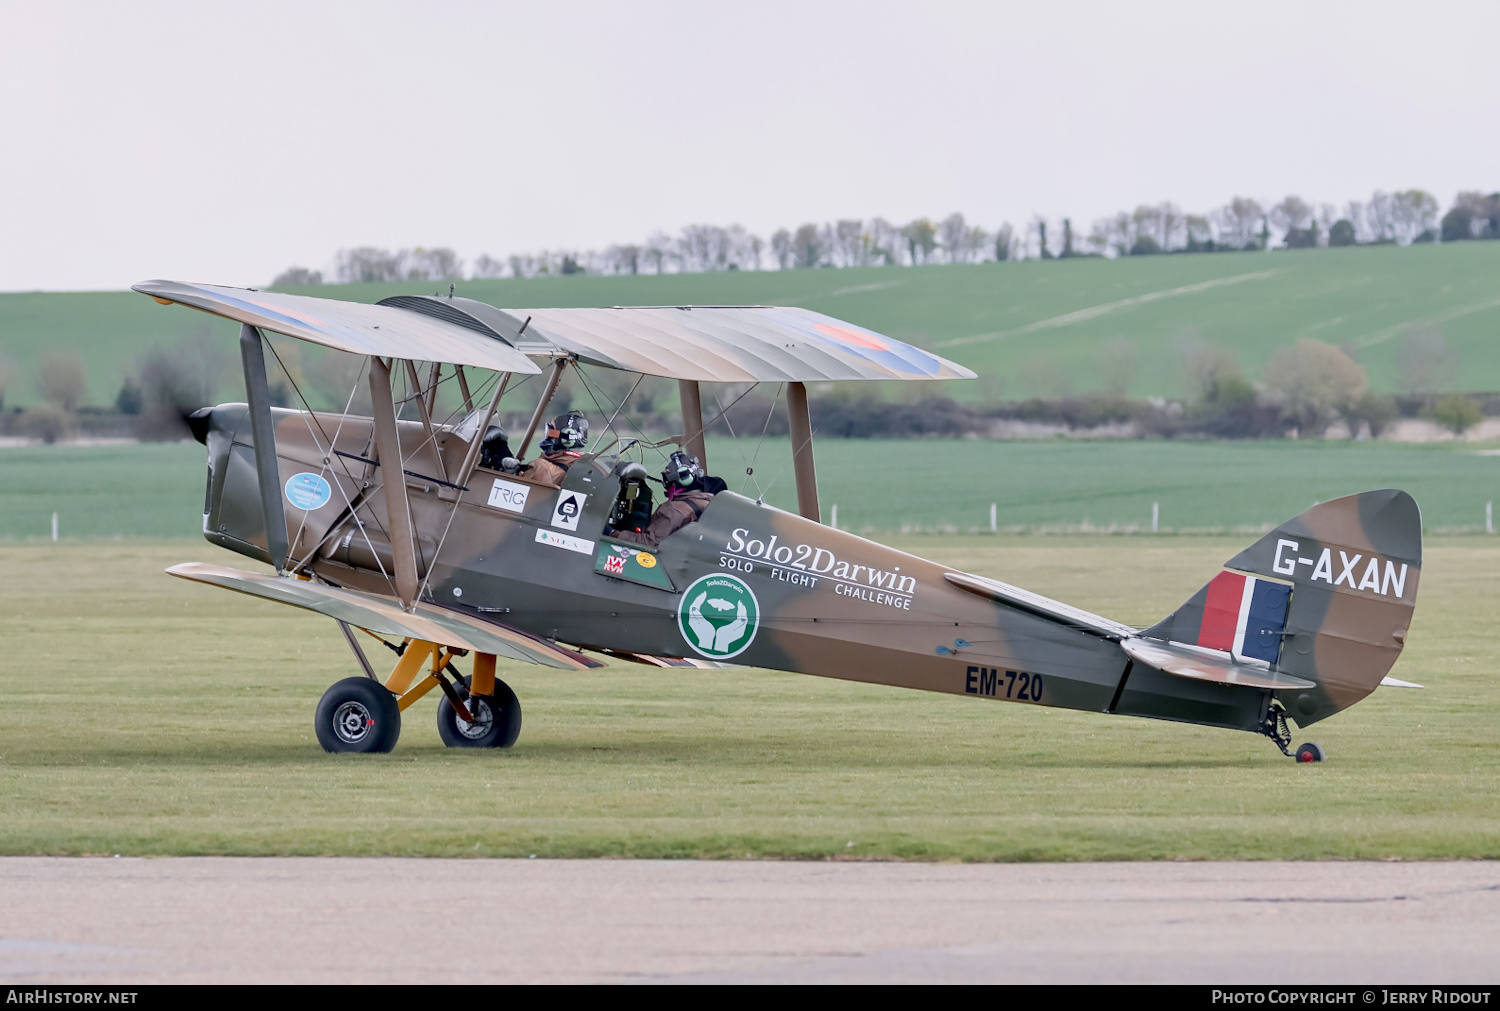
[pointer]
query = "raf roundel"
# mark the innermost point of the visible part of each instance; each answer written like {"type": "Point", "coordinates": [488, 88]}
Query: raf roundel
{"type": "Point", "coordinates": [308, 491]}
{"type": "Point", "coordinates": [718, 616]}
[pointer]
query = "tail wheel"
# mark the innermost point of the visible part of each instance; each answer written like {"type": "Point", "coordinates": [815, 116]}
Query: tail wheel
{"type": "Point", "coordinates": [357, 714]}
{"type": "Point", "coordinates": [1309, 752]}
{"type": "Point", "coordinates": [497, 719]}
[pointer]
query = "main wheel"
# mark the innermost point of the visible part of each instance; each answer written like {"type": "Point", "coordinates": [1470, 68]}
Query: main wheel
{"type": "Point", "coordinates": [1309, 752]}
{"type": "Point", "coordinates": [497, 719]}
{"type": "Point", "coordinates": [358, 714]}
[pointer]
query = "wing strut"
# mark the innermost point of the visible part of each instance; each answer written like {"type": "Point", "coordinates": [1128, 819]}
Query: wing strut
{"type": "Point", "coordinates": [802, 452]}
{"type": "Point", "coordinates": [471, 458]}
{"type": "Point", "coordinates": [692, 420]}
{"type": "Point", "coordinates": [541, 406]}
{"type": "Point", "coordinates": [397, 512]}
{"type": "Point", "coordinates": [267, 471]}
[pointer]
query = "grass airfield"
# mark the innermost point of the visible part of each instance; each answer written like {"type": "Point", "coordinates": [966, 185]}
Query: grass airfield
{"type": "Point", "coordinates": [143, 715]}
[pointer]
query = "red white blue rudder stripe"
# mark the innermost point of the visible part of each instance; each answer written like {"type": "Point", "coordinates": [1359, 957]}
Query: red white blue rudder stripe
{"type": "Point", "coordinates": [1244, 616]}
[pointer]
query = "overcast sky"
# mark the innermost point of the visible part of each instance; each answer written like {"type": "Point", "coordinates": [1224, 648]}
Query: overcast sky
{"type": "Point", "coordinates": [224, 142]}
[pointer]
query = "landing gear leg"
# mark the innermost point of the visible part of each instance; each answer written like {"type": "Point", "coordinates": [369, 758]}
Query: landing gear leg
{"type": "Point", "coordinates": [1273, 725]}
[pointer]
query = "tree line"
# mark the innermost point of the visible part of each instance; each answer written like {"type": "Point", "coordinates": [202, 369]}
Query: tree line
{"type": "Point", "coordinates": [1404, 217]}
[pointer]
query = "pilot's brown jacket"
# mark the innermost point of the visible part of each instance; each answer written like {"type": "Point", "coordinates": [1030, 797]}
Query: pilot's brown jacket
{"type": "Point", "coordinates": [669, 516]}
{"type": "Point", "coordinates": [549, 469]}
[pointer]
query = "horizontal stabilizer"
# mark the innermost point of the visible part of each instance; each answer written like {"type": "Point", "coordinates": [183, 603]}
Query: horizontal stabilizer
{"type": "Point", "coordinates": [385, 617]}
{"type": "Point", "coordinates": [1035, 603]}
{"type": "Point", "coordinates": [1207, 665]}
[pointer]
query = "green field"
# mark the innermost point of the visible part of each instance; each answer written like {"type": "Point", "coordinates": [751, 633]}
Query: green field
{"type": "Point", "coordinates": [194, 736]}
{"type": "Point", "coordinates": [994, 318]}
{"type": "Point", "coordinates": [884, 486]}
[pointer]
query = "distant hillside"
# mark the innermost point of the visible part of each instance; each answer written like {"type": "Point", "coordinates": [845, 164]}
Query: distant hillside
{"type": "Point", "coordinates": [1029, 328]}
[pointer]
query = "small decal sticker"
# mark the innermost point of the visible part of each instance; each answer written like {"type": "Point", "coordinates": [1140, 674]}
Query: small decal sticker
{"type": "Point", "coordinates": [557, 540]}
{"type": "Point", "coordinates": [308, 491]}
{"type": "Point", "coordinates": [718, 616]}
{"type": "Point", "coordinates": [633, 565]}
{"type": "Point", "coordinates": [509, 496]}
{"type": "Point", "coordinates": [569, 507]}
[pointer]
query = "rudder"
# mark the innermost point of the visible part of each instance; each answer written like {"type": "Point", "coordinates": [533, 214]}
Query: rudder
{"type": "Point", "coordinates": [1326, 596]}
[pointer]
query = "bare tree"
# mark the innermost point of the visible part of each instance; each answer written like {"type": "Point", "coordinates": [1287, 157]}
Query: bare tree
{"type": "Point", "coordinates": [1208, 369]}
{"type": "Point", "coordinates": [1105, 235]}
{"type": "Point", "coordinates": [437, 264]}
{"type": "Point", "coordinates": [1170, 221]}
{"type": "Point", "coordinates": [1238, 221]}
{"type": "Point", "coordinates": [1315, 382]}
{"type": "Point", "coordinates": [952, 235]}
{"type": "Point", "coordinates": [781, 248]}
{"type": "Point", "coordinates": [1354, 213]}
{"type": "Point", "coordinates": [62, 379]}
{"type": "Point", "coordinates": [1117, 360]}
{"type": "Point", "coordinates": [1414, 215]}
{"type": "Point", "coordinates": [703, 248]}
{"type": "Point", "coordinates": [1198, 230]}
{"type": "Point", "coordinates": [886, 244]}
{"type": "Point", "coordinates": [1292, 212]}
{"type": "Point", "coordinates": [1148, 224]}
{"type": "Point", "coordinates": [921, 240]}
{"type": "Point", "coordinates": [7, 375]}
{"type": "Point", "coordinates": [367, 264]}
{"type": "Point", "coordinates": [849, 244]}
{"type": "Point", "coordinates": [745, 248]}
{"type": "Point", "coordinates": [808, 249]}
{"type": "Point", "coordinates": [623, 259]}
{"type": "Point", "coordinates": [297, 276]}
{"type": "Point", "coordinates": [1005, 243]}
{"type": "Point", "coordinates": [1425, 362]}
{"type": "Point", "coordinates": [1380, 218]}
{"type": "Point", "coordinates": [485, 267]}
{"type": "Point", "coordinates": [658, 251]}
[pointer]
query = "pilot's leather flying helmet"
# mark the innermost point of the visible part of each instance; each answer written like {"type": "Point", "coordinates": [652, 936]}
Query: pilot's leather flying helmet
{"type": "Point", "coordinates": [566, 431]}
{"type": "Point", "coordinates": [682, 472]}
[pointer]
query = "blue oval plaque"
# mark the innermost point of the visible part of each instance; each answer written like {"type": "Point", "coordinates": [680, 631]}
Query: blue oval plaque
{"type": "Point", "coordinates": [308, 491]}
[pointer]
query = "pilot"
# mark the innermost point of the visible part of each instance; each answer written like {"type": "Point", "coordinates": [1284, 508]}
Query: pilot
{"type": "Point", "coordinates": [689, 491]}
{"type": "Point", "coordinates": [566, 435]}
{"type": "Point", "coordinates": [494, 449]}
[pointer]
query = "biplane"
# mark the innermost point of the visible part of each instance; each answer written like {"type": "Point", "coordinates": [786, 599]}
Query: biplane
{"type": "Point", "coordinates": [398, 527]}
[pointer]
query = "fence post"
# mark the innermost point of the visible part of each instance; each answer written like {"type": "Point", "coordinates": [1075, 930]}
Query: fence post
{"type": "Point", "coordinates": [992, 518]}
{"type": "Point", "coordinates": [834, 519]}
{"type": "Point", "coordinates": [1155, 515]}
{"type": "Point", "coordinates": [1489, 519]}
{"type": "Point", "coordinates": [54, 528]}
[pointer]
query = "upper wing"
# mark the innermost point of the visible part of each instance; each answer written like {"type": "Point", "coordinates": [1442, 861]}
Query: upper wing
{"type": "Point", "coordinates": [724, 344]}
{"type": "Point", "coordinates": [388, 331]}
{"type": "Point", "coordinates": [365, 610]}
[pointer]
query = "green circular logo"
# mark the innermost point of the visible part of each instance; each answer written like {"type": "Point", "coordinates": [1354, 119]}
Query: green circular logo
{"type": "Point", "coordinates": [718, 616]}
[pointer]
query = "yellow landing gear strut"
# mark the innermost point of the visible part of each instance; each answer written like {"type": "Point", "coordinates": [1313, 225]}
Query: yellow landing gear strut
{"type": "Point", "coordinates": [364, 713]}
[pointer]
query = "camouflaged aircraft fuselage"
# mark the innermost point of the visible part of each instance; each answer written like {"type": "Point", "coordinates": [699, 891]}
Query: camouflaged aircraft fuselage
{"type": "Point", "coordinates": [753, 585]}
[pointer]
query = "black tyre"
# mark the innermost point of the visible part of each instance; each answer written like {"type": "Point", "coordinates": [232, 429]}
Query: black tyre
{"type": "Point", "coordinates": [498, 719]}
{"type": "Point", "coordinates": [357, 714]}
{"type": "Point", "coordinates": [1309, 752]}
